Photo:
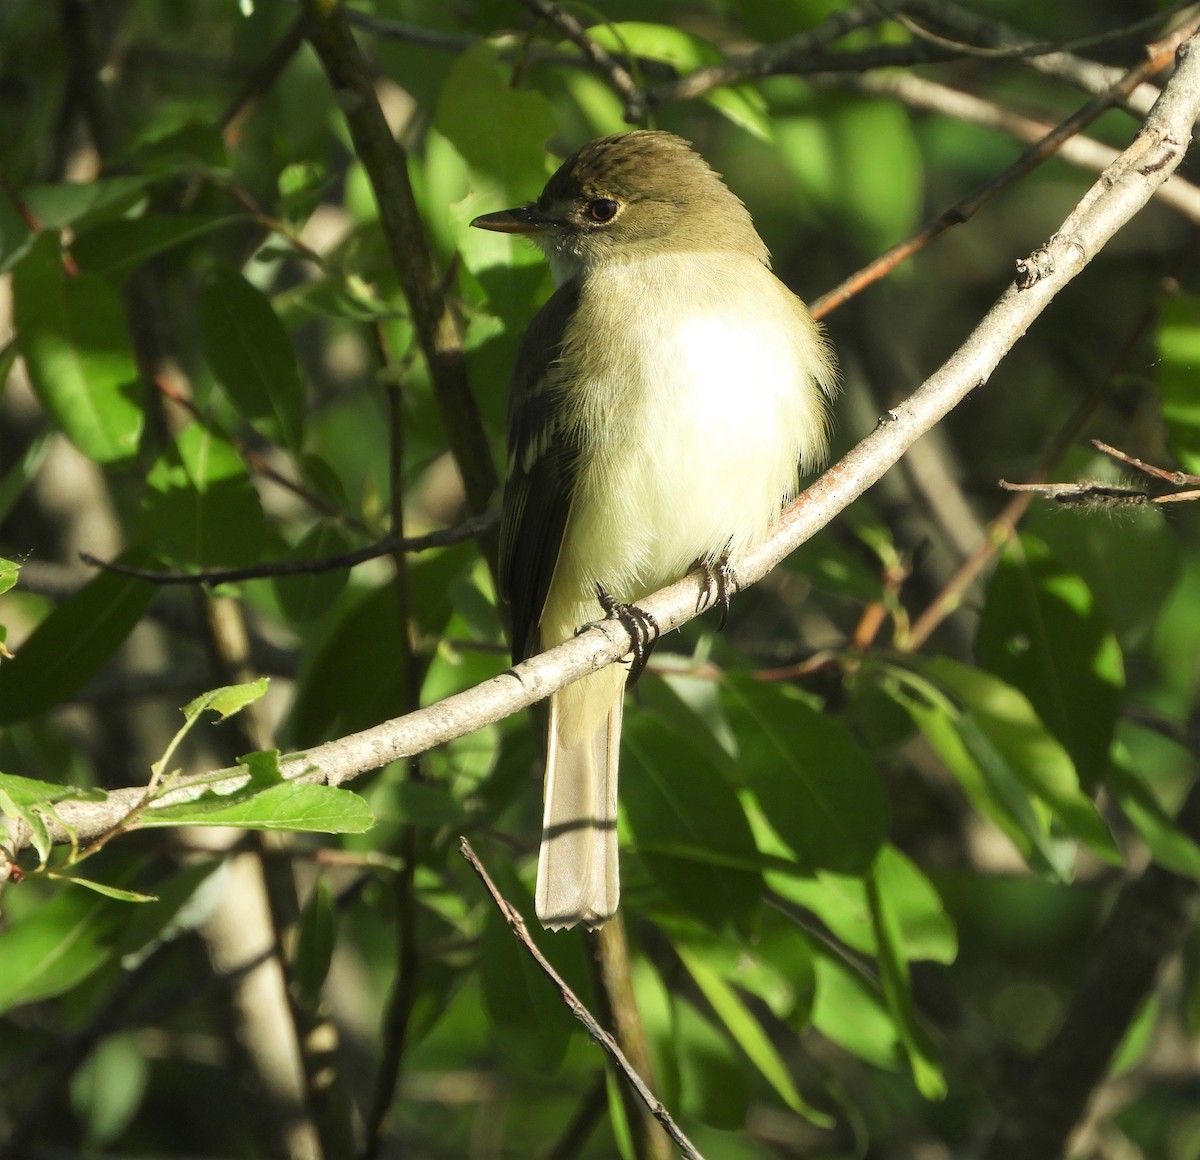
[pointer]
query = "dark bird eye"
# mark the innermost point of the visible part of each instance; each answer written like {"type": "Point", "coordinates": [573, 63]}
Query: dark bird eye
{"type": "Point", "coordinates": [602, 209]}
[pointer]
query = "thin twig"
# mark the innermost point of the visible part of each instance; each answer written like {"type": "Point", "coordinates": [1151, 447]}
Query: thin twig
{"type": "Point", "coordinates": [1178, 478]}
{"type": "Point", "coordinates": [618, 75]}
{"type": "Point", "coordinates": [469, 529]}
{"type": "Point", "coordinates": [575, 1005]}
{"type": "Point", "coordinates": [1158, 56]}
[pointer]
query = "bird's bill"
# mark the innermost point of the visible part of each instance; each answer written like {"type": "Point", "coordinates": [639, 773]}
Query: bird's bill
{"type": "Point", "coordinates": [523, 220]}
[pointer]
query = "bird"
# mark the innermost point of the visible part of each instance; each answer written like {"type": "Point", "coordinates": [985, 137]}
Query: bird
{"type": "Point", "coordinates": [662, 406]}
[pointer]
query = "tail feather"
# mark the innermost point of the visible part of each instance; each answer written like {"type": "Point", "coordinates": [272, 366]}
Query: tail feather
{"type": "Point", "coordinates": [578, 879]}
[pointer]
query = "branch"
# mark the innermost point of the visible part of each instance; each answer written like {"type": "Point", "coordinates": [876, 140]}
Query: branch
{"type": "Point", "coordinates": [438, 330]}
{"type": "Point", "coordinates": [517, 924]}
{"type": "Point", "coordinates": [389, 545]}
{"type": "Point", "coordinates": [1158, 56]}
{"type": "Point", "coordinates": [1122, 190]}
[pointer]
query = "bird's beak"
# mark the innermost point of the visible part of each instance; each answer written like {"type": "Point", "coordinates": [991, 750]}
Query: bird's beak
{"type": "Point", "coordinates": [523, 220]}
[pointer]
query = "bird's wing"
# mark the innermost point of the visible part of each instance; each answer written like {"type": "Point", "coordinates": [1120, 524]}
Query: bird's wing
{"type": "Point", "coordinates": [543, 456]}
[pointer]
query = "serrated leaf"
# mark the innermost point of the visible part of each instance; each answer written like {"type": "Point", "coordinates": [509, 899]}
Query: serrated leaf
{"type": "Point", "coordinates": [227, 700]}
{"type": "Point", "coordinates": [75, 341]}
{"type": "Point", "coordinates": [309, 808]}
{"type": "Point", "coordinates": [817, 787]}
{"type": "Point", "coordinates": [70, 645]}
{"type": "Point", "coordinates": [9, 572]}
{"type": "Point", "coordinates": [27, 791]}
{"type": "Point", "coordinates": [252, 356]}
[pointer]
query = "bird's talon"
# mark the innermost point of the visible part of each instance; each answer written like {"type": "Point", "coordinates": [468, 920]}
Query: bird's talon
{"type": "Point", "coordinates": [719, 581]}
{"type": "Point", "coordinates": [641, 625]}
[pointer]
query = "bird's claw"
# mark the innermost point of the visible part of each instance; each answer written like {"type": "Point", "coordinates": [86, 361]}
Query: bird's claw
{"type": "Point", "coordinates": [642, 628]}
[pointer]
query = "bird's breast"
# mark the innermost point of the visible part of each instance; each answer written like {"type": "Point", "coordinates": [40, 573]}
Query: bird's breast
{"type": "Point", "coordinates": [701, 398]}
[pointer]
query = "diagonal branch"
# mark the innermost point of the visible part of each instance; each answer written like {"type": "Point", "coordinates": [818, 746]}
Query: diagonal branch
{"type": "Point", "coordinates": [1119, 194]}
{"type": "Point", "coordinates": [575, 1005]}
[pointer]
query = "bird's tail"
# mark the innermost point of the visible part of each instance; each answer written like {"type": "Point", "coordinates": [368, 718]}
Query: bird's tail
{"type": "Point", "coordinates": [578, 877]}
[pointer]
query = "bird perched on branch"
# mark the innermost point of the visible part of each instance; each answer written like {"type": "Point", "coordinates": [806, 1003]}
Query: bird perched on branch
{"type": "Point", "coordinates": [662, 405]}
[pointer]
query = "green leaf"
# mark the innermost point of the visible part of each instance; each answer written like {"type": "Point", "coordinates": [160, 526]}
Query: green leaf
{"type": "Point", "coordinates": [228, 700]}
{"type": "Point", "coordinates": [689, 827]}
{"type": "Point", "coordinates": [314, 946]}
{"type": "Point", "coordinates": [817, 788]}
{"type": "Point", "coordinates": [1167, 843]}
{"type": "Point", "coordinates": [116, 248]}
{"type": "Point", "coordinates": [712, 1080]}
{"type": "Point", "coordinates": [505, 153]}
{"type": "Point", "coordinates": [841, 903]}
{"type": "Point", "coordinates": [523, 1004]}
{"type": "Point", "coordinates": [992, 787]}
{"type": "Point", "coordinates": [356, 677]}
{"type": "Point", "coordinates": [1041, 633]}
{"type": "Point", "coordinates": [104, 888]}
{"type": "Point", "coordinates": [250, 353]}
{"type": "Point", "coordinates": [58, 945]}
{"type": "Point", "coordinates": [741, 104]}
{"type": "Point", "coordinates": [749, 1035]}
{"type": "Point", "coordinates": [77, 203]}
{"type": "Point", "coordinates": [897, 990]}
{"type": "Point", "coordinates": [108, 1088]}
{"type": "Point", "coordinates": [74, 338]}
{"type": "Point", "coordinates": [28, 791]}
{"type": "Point", "coordinates": [308, 595]}
{"type": "Point", "coordinates": [68, 648]}
{"type": "Point", "coordinates": [1009, 723]}
{"type": "Point", "coordinates": [200, 509]}
{"type": "Point", "coordinates": [9, 572]}
{"type": "Point", "coordinates": [1179, 355]}
{"type": "Point", "coordinates": [18, 477]}
{"type": "Point", "coordinates": [850, 1012]}
{"type": "Point", "coordinates": [310, 808]}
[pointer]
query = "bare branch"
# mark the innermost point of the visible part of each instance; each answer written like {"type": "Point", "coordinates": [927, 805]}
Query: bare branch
{"type": "Point", "coordinates": [469, 529]}
{"type": "Point", "coordinates": [618, 75]}
{"type": "Point", "coordinates": [517, 924]}
{"type": "Point", "coordinates": [1158, 56]}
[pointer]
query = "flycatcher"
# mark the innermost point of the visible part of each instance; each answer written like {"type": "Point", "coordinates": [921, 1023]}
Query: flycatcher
{"type": "Point", "coordinates": [662, 405]}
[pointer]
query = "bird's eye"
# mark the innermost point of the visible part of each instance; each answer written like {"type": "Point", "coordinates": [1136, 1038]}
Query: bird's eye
{"type": "Point", "coordinates": [602, 209]}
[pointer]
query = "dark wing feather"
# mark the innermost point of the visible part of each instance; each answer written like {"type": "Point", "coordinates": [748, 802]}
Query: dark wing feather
{"type": "Point", "coordinates": [543, 457]}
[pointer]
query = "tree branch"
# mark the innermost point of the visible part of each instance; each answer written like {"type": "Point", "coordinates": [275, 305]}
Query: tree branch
{"type": "Point", "coordinates": [438, 330]}
{"type": "Point", "coordinates": [575, 1005]}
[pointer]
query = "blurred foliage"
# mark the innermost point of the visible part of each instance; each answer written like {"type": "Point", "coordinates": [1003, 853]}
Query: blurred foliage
{"type": "Point", "coordinates": [859, 879]}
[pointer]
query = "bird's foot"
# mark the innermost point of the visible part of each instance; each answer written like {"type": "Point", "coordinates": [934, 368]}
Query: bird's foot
{"type": "Point", "coordinates": [642, 628]}
{"type": "Point", "coordinates": [719, 583]}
